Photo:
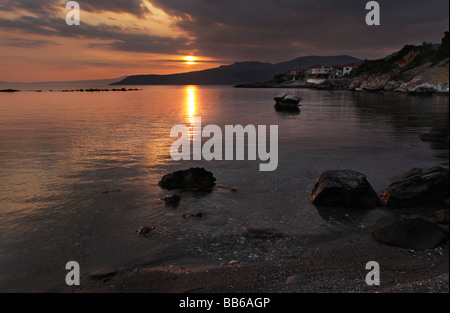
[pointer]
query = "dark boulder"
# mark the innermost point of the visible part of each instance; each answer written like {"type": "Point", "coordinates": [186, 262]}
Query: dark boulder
{"type": "Point", "coordinates": [193, 178]}
{"type": "Point", "coordinates": [418, 187]}
{"type": "Point", "coordinates": [409, 232]}
{"type": "Point", "coordinates": [345, 188]}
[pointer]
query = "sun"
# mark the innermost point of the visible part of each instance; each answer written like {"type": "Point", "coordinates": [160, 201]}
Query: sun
{"type": "Point", "coordinates": [190, 59]}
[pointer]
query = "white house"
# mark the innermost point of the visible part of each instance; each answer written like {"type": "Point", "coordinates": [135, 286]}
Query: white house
{"type": "Point", "coordinates": [318, 74]}
{"type": "Point", "coordinates": [342, 70]}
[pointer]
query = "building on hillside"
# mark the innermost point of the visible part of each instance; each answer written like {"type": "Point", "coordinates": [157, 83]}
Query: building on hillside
{"type": "Point", "coordinates": [342, 70]}
{"type": "Point", "coordinates": [297, 73]}
{"type": "Point", "coordinates": [318, 74]}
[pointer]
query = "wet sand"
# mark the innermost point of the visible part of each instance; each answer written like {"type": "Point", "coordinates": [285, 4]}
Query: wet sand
{"type": "Point", "coordinates": [338, 266]}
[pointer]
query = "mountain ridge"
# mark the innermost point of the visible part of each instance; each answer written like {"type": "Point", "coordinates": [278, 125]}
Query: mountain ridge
{"type": "Point", "coordinates": [236, 73]}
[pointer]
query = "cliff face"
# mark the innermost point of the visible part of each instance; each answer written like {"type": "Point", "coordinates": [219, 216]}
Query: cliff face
{"type": "Point", "coordinates": [424, 78]}
{"type": "Point", "coordinates": [434, 75]}
{"type": "Point", "coordinates": [414, 69]}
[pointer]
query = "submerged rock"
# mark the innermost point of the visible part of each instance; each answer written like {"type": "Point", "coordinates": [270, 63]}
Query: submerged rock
{"type": "Point", "coordinates": [418, 187]}
{"type": "Point", "coordinates": [409, 232]}
{"type": "Point", "coordinates": [435, 135]}
{"type": "Point", "coordinates": [193, 178]}
{"type": "Point", "coordinates": [172, 200]}
{"type": "Point", "coordinates": [345, 188]}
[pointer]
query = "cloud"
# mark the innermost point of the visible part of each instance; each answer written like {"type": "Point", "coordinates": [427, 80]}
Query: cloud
{"type": "Point", "coordinates": [276, 30]}
{"type": "Point", "coordinates": [134, 7]}
{"type": "Point", "coordinates": [111, 37]}
{"type": "Point", "coordinates": [236, 30]}
{"type": "Point", "coordinates": [26, 43]}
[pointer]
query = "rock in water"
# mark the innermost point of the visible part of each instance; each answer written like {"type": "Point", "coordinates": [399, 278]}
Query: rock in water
{"type": "Point", "coordinates": [193, 178]}
{"type": "Point", "coordinates": [418, 187]}
{"type": "Point", "coordinates": [345, 188]}
{"type": "Point", "coordinates": [409, 232]}
{"type": "Point", "coordinates": [288, 97]}
{"type": "Point", "coordinates": [172, 200]}
{"type": "Point", "coordinates": [287, 100]}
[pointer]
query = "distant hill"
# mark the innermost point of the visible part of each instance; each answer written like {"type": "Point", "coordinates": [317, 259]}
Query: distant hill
{"type": "Point", "coordinates": [237, 73]}
{"type": "Point", "coordinates": [58, 84]}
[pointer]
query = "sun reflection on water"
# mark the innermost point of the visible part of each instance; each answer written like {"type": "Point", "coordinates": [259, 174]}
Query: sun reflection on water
{"type": "Point", "coordinates": [191, 102]}
{"type": "Point", "coordinates": [191, 107]}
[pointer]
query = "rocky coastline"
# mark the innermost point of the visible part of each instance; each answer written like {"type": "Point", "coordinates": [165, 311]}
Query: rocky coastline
{"type": "Point", "coordinates": [415, 70]}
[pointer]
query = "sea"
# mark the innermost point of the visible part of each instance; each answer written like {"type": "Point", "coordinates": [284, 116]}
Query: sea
{"type": "Point", "coordinates": [79, 174]}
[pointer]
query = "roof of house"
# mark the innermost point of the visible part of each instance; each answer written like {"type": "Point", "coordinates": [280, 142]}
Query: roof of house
{"type": "Point", "coordinates": [295, 69]}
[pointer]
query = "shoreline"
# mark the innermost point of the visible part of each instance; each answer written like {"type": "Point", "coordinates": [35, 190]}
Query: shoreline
{"type": "Point", "coordinates": [331, 88]}
{"type": "Point", "coordinates": [327, 266]}
{"type": "Point", "coordinates": [339, 269]}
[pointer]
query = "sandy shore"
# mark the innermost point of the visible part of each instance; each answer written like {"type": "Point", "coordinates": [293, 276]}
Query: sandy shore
{"type": "Point", "coordinates": [334, 267]}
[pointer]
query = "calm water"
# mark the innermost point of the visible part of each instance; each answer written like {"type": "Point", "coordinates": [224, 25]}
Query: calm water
{"type": "Point", "coordinates": [79, 171]}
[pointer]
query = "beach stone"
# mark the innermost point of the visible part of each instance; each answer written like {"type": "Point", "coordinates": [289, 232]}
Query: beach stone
{"type": "Point", "coordinates": [418, 187]}
{"type": "Point", "coordinates": [345, 188]}
{"type": "Point", "coordinates": [198, 215]}
{"type": "Point", "coordinates": [193, 178]}
{"type": "Point", "coordinates": [104, 274]}
{"type": "Point", "coordinates": [144, 230]}
{"type": "Point", "coordinates": [408, 232]}
{"type": "Point", "coordinates": [262, 234]}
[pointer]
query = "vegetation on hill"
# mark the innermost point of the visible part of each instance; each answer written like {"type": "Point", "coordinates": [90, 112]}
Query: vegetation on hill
{"type": "Point", "coordinates": [409, 57]}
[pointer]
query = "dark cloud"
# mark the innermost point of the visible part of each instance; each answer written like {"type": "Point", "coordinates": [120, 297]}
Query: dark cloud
{"type": "Point", "coordinates": [261, 30]}
{"type": "Point", "coordinates": [276, 30]}
{"type": "Point", "coordinates": [110, 36]}
{"type": "Point", "coordinates": [135, 7]}
{"type": "Point", "coordinates": [26, 43]}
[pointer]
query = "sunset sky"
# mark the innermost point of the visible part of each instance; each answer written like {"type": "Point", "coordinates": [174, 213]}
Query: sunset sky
{"type": "Point", "coordinates": [127, 37]}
